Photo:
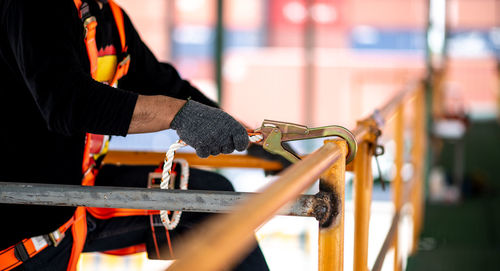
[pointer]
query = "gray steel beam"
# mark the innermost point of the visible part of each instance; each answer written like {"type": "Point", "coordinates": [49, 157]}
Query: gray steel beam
{"type": "Point", "coordinates": [317, 206]}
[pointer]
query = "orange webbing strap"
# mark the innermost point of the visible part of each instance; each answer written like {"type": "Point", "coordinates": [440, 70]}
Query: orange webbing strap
{"type": "Point", "coordinates": [88, 166]}
{"type": "Point", "coordinates": [121, 70]}
{"type": "Point", "coordinates": [79, 232]}
{"type": "Point", "coordinates": [15, 255]}
{"type": "Point", "coordinates": [107, 213]}
{"type": "Point", "coordinates": [122, 67]}
{"type": "Point", "coordinates": [118, 15]}
{"type": "Point", "coordinates": [90, 25]}
{"type": "Point", "coordinates": [78, 4]}
{"type": "Point", "coordinates": [127, 250]}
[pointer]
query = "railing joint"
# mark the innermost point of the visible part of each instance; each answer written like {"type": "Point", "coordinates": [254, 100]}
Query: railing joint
{"type": "Point", "coordinates": [326, 208]}
{"type": "Point", "coordinates": [374, 131]}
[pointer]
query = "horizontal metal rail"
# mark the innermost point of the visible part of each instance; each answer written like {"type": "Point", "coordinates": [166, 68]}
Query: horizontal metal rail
{"type": "Point", "coordinates": [392, 105]}
{"type": "Point", "coordinates": [366, 133]}
{"type": "Point", "coordinates": [221, 160]}
{"type": "Point", "coordinates": [249, 216]}
{"type": "Point", "coordinates": [391, 233]}
{"type": "Point", "coordinates": [383, 114]}
{"type": "Point", "coordinates": [247, 211]}
{"type": "Point", "coordinates": [388, 243]}
{"type": "Point", "coordinates": [149, 199]}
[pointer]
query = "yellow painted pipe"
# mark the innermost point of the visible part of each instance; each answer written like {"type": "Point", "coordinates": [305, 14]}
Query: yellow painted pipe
{"type": "Point", "coordinates": [222, 160]}
{"type": "Point", "coordinates": [363, 186]}
{"type": "Point", "coordinates": [418, 154]}
{"type": "Point", "coordinates": [331, 239]}
{"type": "Point", "coordinates": [397, 189]}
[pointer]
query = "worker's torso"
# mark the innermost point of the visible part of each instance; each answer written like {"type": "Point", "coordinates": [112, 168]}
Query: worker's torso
{"type": "Point", "coordinates": [31, 152]}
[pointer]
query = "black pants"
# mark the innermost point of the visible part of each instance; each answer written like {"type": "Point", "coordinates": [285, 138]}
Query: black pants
{"type": "Point", "coordinates": [120, 232]}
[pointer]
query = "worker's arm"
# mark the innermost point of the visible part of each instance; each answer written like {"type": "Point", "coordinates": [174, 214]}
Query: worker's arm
{"type": "Point", "coordinates": [208, 130]}
{"type": "Point", "coordinates": [154, 113]}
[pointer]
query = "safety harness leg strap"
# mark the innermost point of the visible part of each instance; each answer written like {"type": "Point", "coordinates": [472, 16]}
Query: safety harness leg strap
{"type": "Point", "coordinates": [15, 255]}
{"type": "Point", "coordinates": [79, 232]}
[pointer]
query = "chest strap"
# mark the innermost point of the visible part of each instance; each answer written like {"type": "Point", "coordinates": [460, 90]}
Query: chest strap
{"type": "Point", "coordinates": [90, 25]}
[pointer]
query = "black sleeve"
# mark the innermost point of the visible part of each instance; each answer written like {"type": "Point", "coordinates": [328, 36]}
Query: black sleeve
{"type": "Point", "coordinates": [148, 76]}
{"type": "Point", "coordinates": [46, 38]}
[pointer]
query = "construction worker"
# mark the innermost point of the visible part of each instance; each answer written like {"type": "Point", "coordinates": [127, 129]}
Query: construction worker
{"type": "Point", "coordinates": [71, 72]}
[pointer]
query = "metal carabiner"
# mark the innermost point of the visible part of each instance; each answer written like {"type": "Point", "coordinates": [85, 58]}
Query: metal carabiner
{"type": "Point", "coordinates": [276, 132]}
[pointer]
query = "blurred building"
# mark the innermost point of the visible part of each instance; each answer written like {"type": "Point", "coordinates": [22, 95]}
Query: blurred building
{"type": "Point", "coordinates": [322, 62]}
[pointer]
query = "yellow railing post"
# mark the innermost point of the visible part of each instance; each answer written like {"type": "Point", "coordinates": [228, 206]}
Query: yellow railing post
{"type": "Point", "coordinates": [363, 186]}
{"type": "Point", "coordinates": [498, 90]}
{"type": "Point", "coordinates": [397, 188]}
{"type": "Point", "coordinates": [331, 238]}
{"type": "Point", "coordinates": [438, 80]}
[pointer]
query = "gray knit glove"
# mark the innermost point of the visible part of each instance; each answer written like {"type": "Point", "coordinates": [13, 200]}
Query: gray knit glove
{"type": "Point", "coordinates": [209, 130]}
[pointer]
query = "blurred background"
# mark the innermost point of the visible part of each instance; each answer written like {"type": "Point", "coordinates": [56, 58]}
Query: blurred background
{"type": "Point", "coordinates": [317, 63]}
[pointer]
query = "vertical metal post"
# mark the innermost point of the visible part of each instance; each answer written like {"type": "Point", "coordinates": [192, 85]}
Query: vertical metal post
{"type": "Point", "coordinates": [170, 14]}
{"type": "Point", "coordinates": [397, 189]}
{"type": "Point", "coordinates": [498, 80]}
{"type": "Point", "coordinates": [309, 55]}
{"type": "Point", "coordinates": [363, 186]}
{"type": "Point", "coordinates": [219, 49]}
{"type": "Point", "coordinates": [331, 238]}
{"type": "Point", "coordinates": [418, 153]}
{"type": "Point", "coordinates": [429, 153]}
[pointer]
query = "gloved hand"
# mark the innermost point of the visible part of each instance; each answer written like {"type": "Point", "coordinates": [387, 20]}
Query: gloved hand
{"type": "Point", "coordinates": [210, 131]}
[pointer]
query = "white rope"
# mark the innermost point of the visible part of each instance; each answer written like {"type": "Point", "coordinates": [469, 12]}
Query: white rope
{"type": "Point", "coordinates": [171, 223]}
{"type": "Point", "coordinates": [256, 137]}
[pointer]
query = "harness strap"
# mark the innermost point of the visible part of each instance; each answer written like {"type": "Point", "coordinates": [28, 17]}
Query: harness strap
{"type": "Point", "coordinates": [122, 67]}
{"type": "Point", "coordinates": [90, 25]}
{"type": "Point", "coordinates": [79, 232]}
{"type": "Point", "coordinates": [118, 15]}
{"type": "Point", "coordinates": [15, 255]}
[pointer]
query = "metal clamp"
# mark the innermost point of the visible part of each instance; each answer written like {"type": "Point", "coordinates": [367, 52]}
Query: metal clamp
{"type": "Point", "coordinates": [55, 237]}
{"type": "Point", "coordinates": [276, 132]}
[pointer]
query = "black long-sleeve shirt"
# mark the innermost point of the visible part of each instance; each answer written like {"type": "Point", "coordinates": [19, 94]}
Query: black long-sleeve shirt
{"type": "Point", "coordinates": [48, 101]}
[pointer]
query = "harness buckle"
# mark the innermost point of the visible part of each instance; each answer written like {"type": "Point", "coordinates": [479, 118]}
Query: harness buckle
{"type": "Point", "coordinates": [56, 237]}
{"type": "Point", "coordinates": [88, 23]}
{"type": "Point", "coordinates": [20, 252]}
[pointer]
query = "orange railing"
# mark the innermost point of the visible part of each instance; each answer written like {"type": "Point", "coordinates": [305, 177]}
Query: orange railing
{"type": "Point", "coordinates": [221, 241]}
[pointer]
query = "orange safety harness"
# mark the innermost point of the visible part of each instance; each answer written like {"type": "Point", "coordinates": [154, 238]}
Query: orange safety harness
{"type": "Point", "coordinates": [95, 149]}
{"type": "Point", "coordinates": [96, 145]}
